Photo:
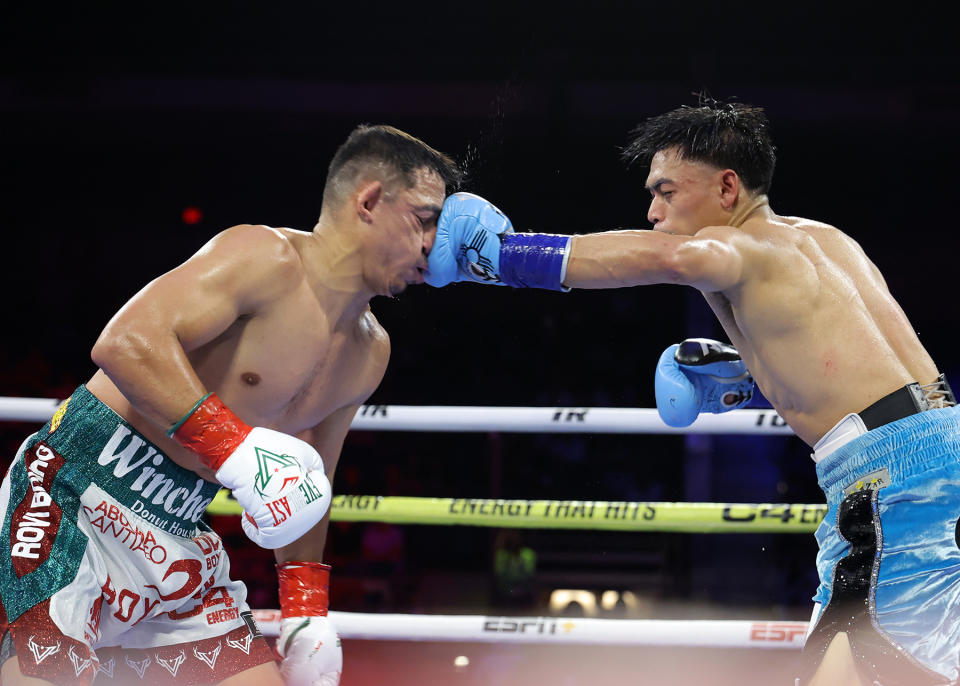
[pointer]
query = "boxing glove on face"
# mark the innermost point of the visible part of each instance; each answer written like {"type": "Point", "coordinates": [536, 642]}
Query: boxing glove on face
{"type": "Point", "coordinates": [467, 246]}
{"type": "Point", "coordinates": [475, 242]}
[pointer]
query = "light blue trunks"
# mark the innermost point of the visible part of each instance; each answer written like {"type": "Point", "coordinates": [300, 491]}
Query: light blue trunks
{"type": "Point", "coordinates": [889, 561]}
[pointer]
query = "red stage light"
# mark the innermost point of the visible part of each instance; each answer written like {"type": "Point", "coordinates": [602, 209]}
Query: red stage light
{"type": "Point", "coordinates": [192, 215]}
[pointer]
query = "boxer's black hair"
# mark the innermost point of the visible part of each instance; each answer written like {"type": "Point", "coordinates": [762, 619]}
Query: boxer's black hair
{"type": "Point", "coordinates": [725, 135]}
{"type": "Point", "coordinates": [391, 150]}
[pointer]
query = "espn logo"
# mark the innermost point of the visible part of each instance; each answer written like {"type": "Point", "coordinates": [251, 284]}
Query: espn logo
{"type": "Point", "coordinates": [778, 632]}
{"type": "Point", "coordinates": [521, 625]}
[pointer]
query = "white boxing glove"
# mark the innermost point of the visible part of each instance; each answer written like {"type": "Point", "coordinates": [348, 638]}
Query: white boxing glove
{"type": "Point", "coordinates": [308, 641]}
{"type": "Point", "coordinates": [277, 478]}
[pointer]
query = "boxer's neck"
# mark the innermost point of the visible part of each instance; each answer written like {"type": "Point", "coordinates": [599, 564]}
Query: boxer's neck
{"type": "Point", "coordinates": [751, 207]}
{"type": "Point", "coordinates": [333, 259]}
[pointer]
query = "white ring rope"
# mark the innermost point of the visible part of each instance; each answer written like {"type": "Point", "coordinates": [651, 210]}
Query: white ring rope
{"type": "Point", "coordinates": [601, 420]}
{"type": "Point", "coordinates": [704, 633]}
{"type": "Point", "coordinates": [27, 409]}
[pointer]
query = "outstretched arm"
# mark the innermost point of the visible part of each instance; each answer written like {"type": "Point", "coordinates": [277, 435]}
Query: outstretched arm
{"type": "Point", "coordinates": [476, 242]}
{"type": "Point", "coordinates": [617, 259]}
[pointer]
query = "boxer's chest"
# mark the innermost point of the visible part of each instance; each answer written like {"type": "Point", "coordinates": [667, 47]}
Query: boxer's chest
{"type": "Point", "coordinates": [291, 367]}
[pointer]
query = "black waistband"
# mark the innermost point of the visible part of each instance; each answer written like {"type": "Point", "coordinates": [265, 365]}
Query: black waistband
{"type": "Point", "coordinates": [903, 402]}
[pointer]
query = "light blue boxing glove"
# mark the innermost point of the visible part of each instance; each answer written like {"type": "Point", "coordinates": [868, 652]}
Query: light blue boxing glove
{"type": "Point", "coordinates": [476, 242]}
{"type": "Point", "coordinates": [700, 375]}
{"type": "Point", "coordinates": [467, 246]}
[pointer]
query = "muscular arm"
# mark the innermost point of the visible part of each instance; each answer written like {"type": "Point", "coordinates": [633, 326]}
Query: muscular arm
{"type": "Point", "coordinates": [616, 259]}
{"type": "Point", "coordinates": [143, 347]}
{"type": "Point", "coordinates": [327, 437]}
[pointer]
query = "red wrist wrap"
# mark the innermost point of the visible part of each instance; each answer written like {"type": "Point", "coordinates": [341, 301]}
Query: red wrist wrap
{"type": "Point", "coordinates": [304, 589]}
{"type": "Point", "coordinates": [212, 431]}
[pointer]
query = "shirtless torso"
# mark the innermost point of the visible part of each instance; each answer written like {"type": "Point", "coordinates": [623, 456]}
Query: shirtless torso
{"type": "Point", "coordinates": [810, 314]}
{"type": "Point", "coordinates": [291, 364]}
{"type": "Point", "coordinates": [814, 321]}
{"type": "Point", "coordinates": [263, 337]}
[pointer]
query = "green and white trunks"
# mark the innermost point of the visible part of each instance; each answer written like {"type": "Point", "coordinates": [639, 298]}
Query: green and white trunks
{"type": "Point", "coordinates": [112, 577]}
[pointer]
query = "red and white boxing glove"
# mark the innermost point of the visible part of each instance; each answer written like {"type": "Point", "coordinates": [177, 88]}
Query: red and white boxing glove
{"type": "Point", "coordinates": [308, 641]}
{"type": "Point", "coordinates": [277, 478]}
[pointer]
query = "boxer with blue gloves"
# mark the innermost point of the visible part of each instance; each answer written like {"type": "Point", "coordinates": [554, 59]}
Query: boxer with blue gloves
{"type": "Point", "coordinates": [700, 375]}
{"type": "Point", "coordinates": [829, 346]}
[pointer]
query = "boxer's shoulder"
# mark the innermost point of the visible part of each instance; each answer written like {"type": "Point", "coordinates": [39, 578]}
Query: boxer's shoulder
{"type": "Point", "coordinates": [262, 241]}
{"type": "Point", "coordinates": [267, 259]}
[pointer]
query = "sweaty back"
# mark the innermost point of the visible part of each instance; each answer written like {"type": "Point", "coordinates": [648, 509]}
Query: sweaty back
{"type": "Point", "coordinates": [816, 324]}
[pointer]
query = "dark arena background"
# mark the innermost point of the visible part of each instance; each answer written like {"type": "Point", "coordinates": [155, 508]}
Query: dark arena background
{"type": "Point", "coordinates": [130, 133]}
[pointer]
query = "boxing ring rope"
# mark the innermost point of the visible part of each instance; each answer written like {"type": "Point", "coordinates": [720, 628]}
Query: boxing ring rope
{"type": "Point", "coordinates": [701, 633]}
{"type": "Point", "coordinates": [544, 514]}
{"type": "Point", "coordinates": [593, 515]}
{"type": "Point", "coordinates": [601, 420]}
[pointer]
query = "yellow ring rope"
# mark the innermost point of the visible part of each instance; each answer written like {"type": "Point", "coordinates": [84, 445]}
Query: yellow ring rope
{"type": "Point", "coordinates": [588, 515]}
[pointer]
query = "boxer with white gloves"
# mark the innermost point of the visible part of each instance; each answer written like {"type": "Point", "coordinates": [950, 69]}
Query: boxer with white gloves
{"type": "Point", "coordinates": [700, 375]}
{"type": "Point", "coordinates": [271, 329]}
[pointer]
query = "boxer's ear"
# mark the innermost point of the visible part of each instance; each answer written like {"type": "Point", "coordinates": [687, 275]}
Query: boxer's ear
{"type": "Point", "coordinates": [729, 188]}
{"type": "Point", "coordinates": [368, 197]}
